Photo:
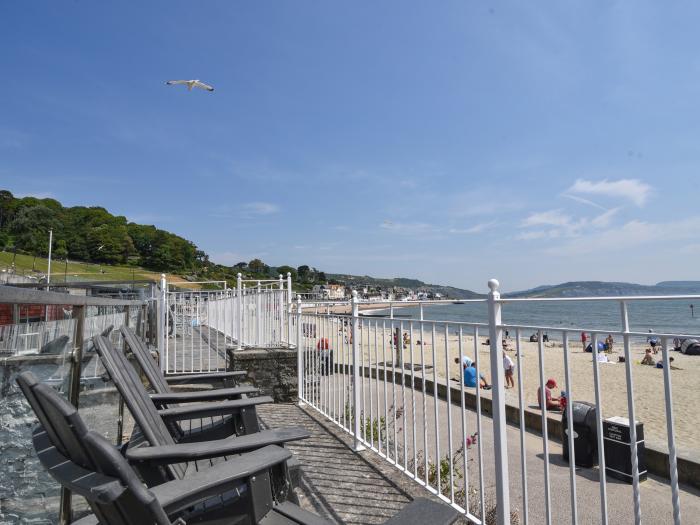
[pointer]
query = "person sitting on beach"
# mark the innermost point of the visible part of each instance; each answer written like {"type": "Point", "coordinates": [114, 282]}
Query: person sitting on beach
{"type": "Point", "coordinates": [648, 359]}
{"type": "Point", "coordinates": [552, 402]}
{"type": "Point", "coordinates": [470, 378]}
{"type": "Point", "coordinates": [660, 364]}
{"type": "Point", "coordinates": [466, 361]}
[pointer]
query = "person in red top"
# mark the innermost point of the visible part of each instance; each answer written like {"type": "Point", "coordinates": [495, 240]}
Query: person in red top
{"type": "Point", "coordinates": [552, 402]}
{"type": "Point", "coordinates": [583, 340]}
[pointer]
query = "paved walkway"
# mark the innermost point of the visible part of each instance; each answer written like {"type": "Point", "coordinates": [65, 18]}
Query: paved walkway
{"type": "Point", "coordinates": [336, 483]}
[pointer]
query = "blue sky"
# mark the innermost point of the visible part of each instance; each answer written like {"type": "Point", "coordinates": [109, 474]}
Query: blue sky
{"type": "Point", "coordinates": [451, 141]}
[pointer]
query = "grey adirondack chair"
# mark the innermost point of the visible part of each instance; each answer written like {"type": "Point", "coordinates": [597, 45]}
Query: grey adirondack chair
{"type": "Point", "coordinates": [248, 489]}
{"type": "Point", "coordinates": [161, 383]}
{"type": "Point", "coordinates": [217, 420]}
{"type": "Point", "coordinates": [160, 429]}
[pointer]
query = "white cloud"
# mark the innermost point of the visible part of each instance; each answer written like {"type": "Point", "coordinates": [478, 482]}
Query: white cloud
{"type": "Point", "coordinates": [631, 189]}
{"type": "Point", "coordinates": [603, 220]}
{"type": "Point", "coordinates": [261, 208]}
{"type": "Point", "coordinates": [408, 227]}
{"type": "Point", "coordinates": [532, 235]}
{"type": "Point", "coordinates": [477, 228]}
{"type": "Point", "coordinates": [633, 234]}
{"type": "Point", "coordinates": [583, 201]}
{"type": "Point", "coordinates": [546, 218]}
{"type": "Point", "coordinates": [554, 224]}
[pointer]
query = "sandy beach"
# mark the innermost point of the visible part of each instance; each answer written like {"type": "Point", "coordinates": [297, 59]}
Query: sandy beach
{"type": "Point", "coordinates": [648, 384]}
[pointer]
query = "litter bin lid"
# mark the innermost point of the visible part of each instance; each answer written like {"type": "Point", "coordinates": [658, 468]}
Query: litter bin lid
{"type": "Point", "coordinates": [619, 420]}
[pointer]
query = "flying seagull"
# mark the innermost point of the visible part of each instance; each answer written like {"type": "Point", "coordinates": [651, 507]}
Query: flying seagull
{"type": "Point", "coordinates": [190, 84]}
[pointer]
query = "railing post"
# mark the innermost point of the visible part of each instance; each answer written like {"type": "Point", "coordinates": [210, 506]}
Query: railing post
{"type": "Point", "coordinates": [300, 354]}
{"type": "Point", "coordinates": [163, 321]}
{"type": "Point", "coordinates": [500, 445]}
{"type": "Point", "coordinates": [239, 321]}
{"type": "Point", "coordinates": [289, 308]}
{"type": "Point", "coordinates": [281, 310]}
{"type": "Point", "coordinates": [65, 511]}
{"type": "Point", "coordinates": [356, 374]}
{"type": "Point", "coordinates": [631, 413]}
{"type": "Point", "coordinates": [258, 314]}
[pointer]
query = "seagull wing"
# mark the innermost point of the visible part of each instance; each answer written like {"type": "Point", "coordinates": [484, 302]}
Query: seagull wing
{"type": "Point", "coordinates": [202, 85]}
{"type": "Point", "coordinates": [174, 82]}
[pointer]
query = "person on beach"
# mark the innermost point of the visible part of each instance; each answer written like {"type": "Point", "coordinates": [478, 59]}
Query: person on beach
{"type": "Point", "coordinates": [470, 378]}
{"type": "Point", "coordinates": [508, 369]}
{"type": "Point", "coordinates": [466, 361]}
{"type": "Point", "coordinates": [648, 359]}
{"type": "Point", "coordinates": [552, 402]}
{"type": "Point", "coordinates": [653, 341]}
{"type": "Point", "coordinates": [609, 341]}
{"type": "Point", "coordinates": [583, 340]}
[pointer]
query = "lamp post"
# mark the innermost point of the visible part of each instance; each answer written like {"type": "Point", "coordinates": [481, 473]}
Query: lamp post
{"type": "Point", "coordinates": [48, 272]}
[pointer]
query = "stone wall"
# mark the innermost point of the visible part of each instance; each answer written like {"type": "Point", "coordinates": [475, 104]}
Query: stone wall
{"type": "Point", "coordinates": [272, 370]}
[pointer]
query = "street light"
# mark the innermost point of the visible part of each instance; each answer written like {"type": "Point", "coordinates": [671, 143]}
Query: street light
{"type": "Point", "coordinates": [48, 272]}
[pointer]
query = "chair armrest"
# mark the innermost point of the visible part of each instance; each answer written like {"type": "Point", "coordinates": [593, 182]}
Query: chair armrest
{"type": "Point", "coordinates": [184, 452]}
{"type": "Point", "coordinates": [203, 395]}
{"type": "Point", "coordinates": [199, 378]}
{"type": "Point", "coordinates": [178, 495]}
{"type": "Point", "coordinates": [201, 410]}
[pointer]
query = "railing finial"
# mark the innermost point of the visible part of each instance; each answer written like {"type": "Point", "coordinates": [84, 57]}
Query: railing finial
{"type": "Point", "coordinates": [494, 284]}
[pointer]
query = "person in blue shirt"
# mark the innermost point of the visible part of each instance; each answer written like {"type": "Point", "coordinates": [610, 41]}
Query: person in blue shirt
{"type": "Point", "coordinates": [470, 378]}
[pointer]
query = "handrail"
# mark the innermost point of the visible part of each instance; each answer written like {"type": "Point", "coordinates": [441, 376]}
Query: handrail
{"type": "Point", "coordinates": [616, 298]}
{"type": "Point", "coordinates": [13, 295]}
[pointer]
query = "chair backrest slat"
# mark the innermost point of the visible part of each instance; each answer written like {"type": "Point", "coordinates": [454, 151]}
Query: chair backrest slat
{"type": "Point", "coordinates": [66, 423]}
{"type": "Point", "coordinates": [136, 398]}
{"type": "Point", "coordinates": [27, 381]}
{"type": "Point", "coordinates": [146, 362]}
{"type": "Point", "coordinates": [86, 462]}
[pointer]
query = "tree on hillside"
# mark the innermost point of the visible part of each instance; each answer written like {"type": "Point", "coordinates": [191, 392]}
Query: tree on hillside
{"type": "Point", "coordinates": [258, 267]}
{"type": "Point", "coordinates": [6, 205]}
{"type": "Point", "coordinates": [303, 272]}
{"type": "Point", "coordinates": [30, 228]}
{"type": "Point", "coordinates": [287, 269]}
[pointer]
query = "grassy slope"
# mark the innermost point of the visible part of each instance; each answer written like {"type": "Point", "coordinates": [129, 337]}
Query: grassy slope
{"type": "Point", "coordinates": [79, 271]}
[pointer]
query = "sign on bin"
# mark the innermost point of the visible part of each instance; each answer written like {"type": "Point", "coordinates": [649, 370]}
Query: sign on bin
{"type": "Point", "coordinates": [618, 449]}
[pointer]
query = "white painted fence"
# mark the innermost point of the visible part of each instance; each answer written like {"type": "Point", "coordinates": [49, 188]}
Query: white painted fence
{"type": "Point", "coordinates": [201, 325]}
{"type": "Point", "coordinates": [391, 398]}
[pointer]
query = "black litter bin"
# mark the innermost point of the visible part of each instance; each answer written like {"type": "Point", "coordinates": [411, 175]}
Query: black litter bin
{"type": "Point", "coordinates": [585, 434]}
{"type": "Point", "coordinates": [618, 449]}
{"type": "Point", "coordinates": [326, 362]}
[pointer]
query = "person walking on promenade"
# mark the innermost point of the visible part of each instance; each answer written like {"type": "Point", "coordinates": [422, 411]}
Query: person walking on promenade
{"type": "Point", "coordinates": [583, 340]}
{"type": "Point", "coordinates": [508, 369]}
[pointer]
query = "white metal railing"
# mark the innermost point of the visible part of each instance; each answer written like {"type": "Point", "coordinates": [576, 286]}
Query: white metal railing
{"type": "Point", "coordinates": [387, 382]}
{"type": "Point", "coordinates": [200, 325]}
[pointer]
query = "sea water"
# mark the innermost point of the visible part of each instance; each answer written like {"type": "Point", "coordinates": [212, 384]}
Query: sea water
{"type": "Point", "coordinates": [671, 317]}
